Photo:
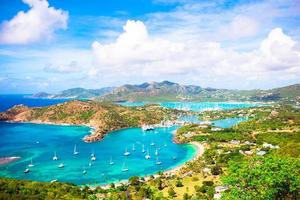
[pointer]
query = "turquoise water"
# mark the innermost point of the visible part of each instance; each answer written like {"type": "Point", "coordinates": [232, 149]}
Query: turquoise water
{"type": "Point", "coordinates": [229, 122]}
{"type": "Point", "coordinates": [222, 123]}
{"type": "Point", "coordinates": [197, 106]}
{"type": "Point", "coordinates": [38, 142]}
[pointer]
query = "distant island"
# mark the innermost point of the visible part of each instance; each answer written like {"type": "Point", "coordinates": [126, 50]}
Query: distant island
{"type": "Point", "coordinates": [103, 117]}
{"type": "Point", "coordinates": [169, 91]}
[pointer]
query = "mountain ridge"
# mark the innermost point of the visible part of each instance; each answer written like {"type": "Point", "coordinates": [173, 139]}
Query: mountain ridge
{"type": "Point", "coordinates": [171, 91]}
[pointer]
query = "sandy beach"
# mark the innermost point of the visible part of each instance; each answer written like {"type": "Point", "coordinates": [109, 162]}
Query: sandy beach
{"type": "Point", "coordinates": [6, 160]}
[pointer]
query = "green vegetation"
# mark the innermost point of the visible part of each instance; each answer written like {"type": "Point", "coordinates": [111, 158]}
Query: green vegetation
{"type": "Point", "coordinates": [262, 178]}
{"type": "Point", "coordinates": [257, 159]}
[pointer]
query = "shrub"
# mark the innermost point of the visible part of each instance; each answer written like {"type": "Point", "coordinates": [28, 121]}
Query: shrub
{"type": "Point", "coordinates": [179, 183]}
{"type": "Point", "coordinates": [216, 170]}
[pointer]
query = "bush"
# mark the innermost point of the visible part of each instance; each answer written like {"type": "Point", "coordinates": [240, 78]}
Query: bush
{"type": "Point", "coordinates": [216, 170]}
{"type": "Point", "coordinates": [172, 192]}
{"type": "Point", "coordinates": [179, 183]}
{"type": "Point", "coordinates": [208, 183]}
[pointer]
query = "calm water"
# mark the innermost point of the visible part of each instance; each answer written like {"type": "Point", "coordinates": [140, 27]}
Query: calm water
{"type": "Point", "coordinates": [197, 106]}
{"type": "Point", "coordinates": [21, 140]}
{"type": "Point", "coordinates": [7, 101]}
{"type": "Point", "coordinates": [223, 123]}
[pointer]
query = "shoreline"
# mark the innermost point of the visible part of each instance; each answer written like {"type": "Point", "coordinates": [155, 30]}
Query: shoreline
{"type": "Point", "coordinates": [199, 152]}
{"type": "Point", "coordinates": [7, 160]}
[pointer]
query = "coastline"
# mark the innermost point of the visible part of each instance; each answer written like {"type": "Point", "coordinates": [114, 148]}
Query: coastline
{"type": "Point", "coordinates": [7, 160]}
{"type": "Point", "coordinates": [199, 152]}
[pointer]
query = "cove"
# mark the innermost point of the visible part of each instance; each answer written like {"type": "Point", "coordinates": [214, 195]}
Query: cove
{"type": "Point", "coordinates": [39, 141]}
{"type": "Point", "coordinates": [197, 106]}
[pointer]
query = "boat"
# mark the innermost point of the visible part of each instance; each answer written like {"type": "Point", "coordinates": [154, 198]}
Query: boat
{"type": "Point", "coordinates": [84, 171]}
{"type": "Point", "coordinates": [156, 152]}
{"type": "Point", "coordinates": [55, 157]}
{"type": "Point", "coordinates": [53, 181]}
{"type": "Point", "coordinates": [111, 161]}
{"type": "Point", "coordinates": [93, 158]}
{"type": "Point", "coordinates": [147, 128]}
{"type": "Point", "coordinates": [148, 155]}
{"type": "Point", "coordinates": [152, 143]}
{"type": "Point", "coordinates": [93, 154]}
{"type": "Point", "coordinates": [31, 164]}
{"type": "Point", "coordinates": [75, 152]}
{"type": "Point", "coordinates": [61, 165]}
{"type": "Point", "coordinates": [133, 147]}
{"type": "Point", "coordinates": [143, 149]}
{"type": "Point", "coordinates": [157, 161]}
{"type": "Point", "coordinates": [126, 153]}
{"type": "Point", "coordinates": [90, 164]}
{"type": "Point", "coordinates": [174, 158]}
{"type": "Point", "coordinates": [26, 171]}
{"type": "Point", "coordinates": [124, 168]}
{"type": "Point", "coordinates": [165, 144]}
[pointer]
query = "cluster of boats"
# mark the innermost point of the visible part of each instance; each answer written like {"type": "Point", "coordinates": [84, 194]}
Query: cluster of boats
{"type": "Point", "coordinates": [126, 154]}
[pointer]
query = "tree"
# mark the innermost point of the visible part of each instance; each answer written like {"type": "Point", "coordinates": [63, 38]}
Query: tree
{"type": "Point", "coordinates": [269, 177]}
{"type": "Point", "coordinates": [179, 183]}
{"type": "Point", "coordinates": [172, 192]}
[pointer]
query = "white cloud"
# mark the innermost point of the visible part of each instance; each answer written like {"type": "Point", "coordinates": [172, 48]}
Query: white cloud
{"type": "Point", "coordinates": [71, 67]}
{"type": "Point", "coordinates": [37, 24]}
{"type": "Point", "coordinates": [136, 53]}
{"type": "Point", "coordinates": [240, 27]}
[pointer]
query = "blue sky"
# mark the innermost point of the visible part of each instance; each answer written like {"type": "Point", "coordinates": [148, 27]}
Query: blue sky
{"type": "Point", "coordinates": [54, 45]}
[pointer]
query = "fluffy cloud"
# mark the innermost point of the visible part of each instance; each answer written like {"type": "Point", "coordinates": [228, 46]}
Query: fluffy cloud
{"type": "Point", "coordinates": [135, 52]}
{"type": "Point", "coordinates": [37, 24]}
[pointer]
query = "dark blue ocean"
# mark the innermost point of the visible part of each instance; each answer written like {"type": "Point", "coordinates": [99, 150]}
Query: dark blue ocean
{"type": "Point", "coordinates": [9, 100]}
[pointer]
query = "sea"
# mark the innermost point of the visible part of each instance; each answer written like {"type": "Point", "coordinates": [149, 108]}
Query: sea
{"type": "Point", "coordinates": [36, 145]}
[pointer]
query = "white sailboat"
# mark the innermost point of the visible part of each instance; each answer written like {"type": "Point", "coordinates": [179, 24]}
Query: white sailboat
{"type": "Point", "coordinates": [93, 158]}
{"type": "Point", "coordinates": [26, 171]}
{"type": "Point", "coordinates": [84, 171]}
{"type": "Point", "coordinates": [126, 153]}
{"type": "Point", "coordinates": [75, 152]}
{"type": "Point", "coordinates": [53, 181]}
{"type": "Point", "coordinates": [31, 164]}
{"type": "Point", "coordinates": [148, 155]}
{"type": "Point", "coordinates": [157, 161]}
{"type": "Point", "coordinates": [61, 165]}
{"type": "Point", "coordinates": [143, 149]}
{"type": "Point", "coordinates": [124, 168]}
{"type": "Point", "coordinates": [156, 152]}
{"type": "Point", "coordinates": [111, 161]}
{"type": "Point", "coordinates": [54, 157]}
{"type": "Point", "coordinates": [152, 143]}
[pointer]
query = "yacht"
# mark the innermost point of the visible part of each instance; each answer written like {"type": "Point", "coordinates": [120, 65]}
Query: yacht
{"type": "Point", "coordinates": [124, 168]}
{"type": "Point", "coordinates": [55, 157]}
{"type": "Point", "coordinates": [93, 158]}
{"type": "Point", "coordinates": [126, 153]}
{"type": "Point", "coordinates": [31, 164]}
{"type": "Point", "coordinates": [61, 165]}
{"type": "Point", "coordinates": [148, 155]}
{"type": "Point", "coordinates": [26, 171]}
{"type": "Point", "coordinates": [75, 152]}
{"type": "Point", "coordinates": [156, 152]}
{"type": "Point", "coordinates": [147, 128]}
{"type": "Point", "coordinates": [111, 161]}
{"type": "Point", "coordinates": [157, 161]}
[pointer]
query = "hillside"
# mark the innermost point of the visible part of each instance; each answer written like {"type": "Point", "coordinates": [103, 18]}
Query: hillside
{"type": "Point", "coordinates": [169, 91]}
{"type": "Point", "coordinates": [103, 117]}
{"type": "Point", "coordinates": [76, 93]}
